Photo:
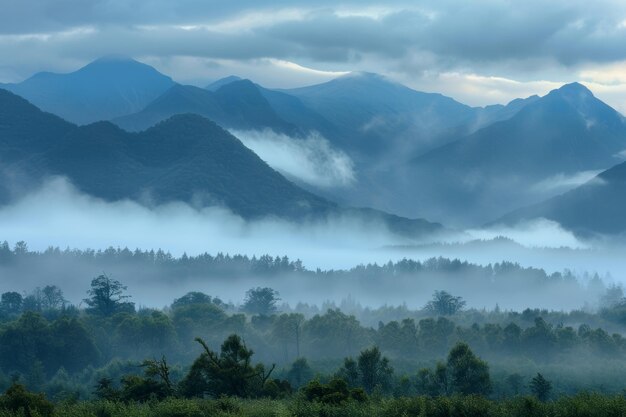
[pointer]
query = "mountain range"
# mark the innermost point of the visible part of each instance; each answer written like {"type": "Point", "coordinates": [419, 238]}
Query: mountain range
{"type": "Point", "coordinates": [184, 158]}
{"type": "Point", "coordinates": [414, 154]}
{"type": "Point", "coordinates": [518, 161]}
{"type": "Point", "coordinates": [238, 104]}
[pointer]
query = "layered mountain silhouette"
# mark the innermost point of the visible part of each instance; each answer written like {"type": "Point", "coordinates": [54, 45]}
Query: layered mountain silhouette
{"type": "Point", "coordinates": [215, 85]}
{"type": "Point", "coordinates": [104, 89]}
{"type": "Point", "coordinates": [415, 154]}
{"type": "Point", "coordinates": [497, 112]}
{"type": "Point", "coordinates": [184, 158]}
{"type": "Point", "coordinates": [363, 114]}
{"type": "Point", "coordinates": [238, 104]}
{"type": "Point", "coordinates": [513, 162]}
{"type": "Point", "coordinates": [377, 116]}
{"type": "Point", "coordinates": [596, 207]}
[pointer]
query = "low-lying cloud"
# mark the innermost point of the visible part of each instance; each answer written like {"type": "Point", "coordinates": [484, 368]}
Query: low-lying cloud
{"type": "Point", "coordinates": [563, 182]}
{"type": "Point", "coordinates": [59, 215]}
{"type": "Point", "coordinates": [311, 160]}
{"type": "Point", "coordinates": [538, 233]}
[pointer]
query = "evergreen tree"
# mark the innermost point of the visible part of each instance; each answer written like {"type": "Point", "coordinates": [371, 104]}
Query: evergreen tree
{"type": "Point", "coordinates": [540, 387]}
{"type": "Point", "coordinates": [468, 373]}
{"type": "Point", "coordinates": [261, 301]}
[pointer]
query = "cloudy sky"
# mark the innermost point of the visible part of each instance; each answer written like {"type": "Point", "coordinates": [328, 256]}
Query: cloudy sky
{"type": "Point", "coordinates": [479, 52]}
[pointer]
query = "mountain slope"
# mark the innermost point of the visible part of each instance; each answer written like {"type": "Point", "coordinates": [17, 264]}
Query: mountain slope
{"type": "Point", "coordinates": [106, 88]}
{"type": "Point", "coordinates": [597, 207]}
{"type": "Point", "coordinates": [518, 161]}
{"type": "Point", "coordinates": [185, 158]}
{"type": "Point", "coordinates": [237, 104]}
{"type": "Point", "coordinates": [25, 130]}
{"type": "Point", "coordinates": [376, 115]}
{"type": "Point", "coordinates": [216, 85]}
{"type": "Point", "coordinates": [488, 115]}
{"type": "Point", "coordinates": [292, 110]}
{"type": "Point", "coordinates": [567, 130]}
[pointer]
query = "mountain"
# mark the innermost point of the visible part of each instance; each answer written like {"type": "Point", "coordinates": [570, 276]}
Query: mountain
{"type": "Point", "coordinates": [376, 116]}
{"type": "Point", "coordinates": [566, 131]}
{"type": "Point", "coordinates": [596, 207]}
{"type": "Point", "coordinates": [184, 158]}
{"type": "Point", "coordinates": [288, 107]}
{"type": "Point", "coordinates": [104, 89]}
{"type": "Point", "coordinates": [238, 104]}
{"type": "Point", "coordinates": [518, 161]}
{"type": "Point", "coordinates": [383, 126]}
{"type": "Point", "coordinates": [216, 85]}
{"type": "Point", "coordinates": [25, 131]}
{"type": "Point", "coordinates": [497, 112]}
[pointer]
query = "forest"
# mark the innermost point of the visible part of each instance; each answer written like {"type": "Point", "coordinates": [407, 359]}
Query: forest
{"type": "Point", "coordinates": [201, 355]}
{"type": "Point", "coordinates": [155, 277]}
{"type": "Point", "coordinates": [347, 208]}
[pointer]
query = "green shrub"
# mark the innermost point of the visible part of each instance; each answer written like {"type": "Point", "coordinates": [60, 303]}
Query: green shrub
{"type": "Point", "coordinates": [18, 399]}
{"type": "Point", "coordinates": [335, 392]}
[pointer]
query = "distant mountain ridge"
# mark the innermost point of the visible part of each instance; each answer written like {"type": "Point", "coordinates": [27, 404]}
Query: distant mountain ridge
{"type": "Point", "coordinates": [106, 88]}
{"type": "Point", "coordinates": [413, 153]}
{"type": "Point", "coordinates": [215, 85]}
{"type": "Point", "coordinates": [376, 116]}
{"type": "Point", "coordinates": [185, 158]}
{"type": "Point", "coordinates": [361, 112]}
{"type": "Point", "coordinates": [498, 168]}
{"type": "Point", "coordinates": [597, 207]}
{"type": "Point", "coordinates": [238, 104]}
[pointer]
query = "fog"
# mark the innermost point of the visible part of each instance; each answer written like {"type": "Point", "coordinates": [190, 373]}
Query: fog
{"type": "Point", "coordinates": [311, 160]}
{"type": "Point", "coordinates": [538, 233]}
{"type": "Point", "coordinates": [561, 182]}
{"type": "Point", "coordinates": [58, 215]}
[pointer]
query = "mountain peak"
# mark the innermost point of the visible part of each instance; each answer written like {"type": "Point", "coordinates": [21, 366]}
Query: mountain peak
{"type": "Point", "coordinates": [119, 67]}
{"type": "Point", "coordinates": [244, 86]}
{"type": "Point", "coordinates": [363, 76]}
{"type": "Point", "coordinates": [104, 89]}
{"type": "Point", "coordinates": [215, 85]}
{"type": "Point", "coordinates": [113, 58]}
{"type": "Point", "coordinates": [575, 88]}
{"type": "Point", "coordinates": [582, 100]}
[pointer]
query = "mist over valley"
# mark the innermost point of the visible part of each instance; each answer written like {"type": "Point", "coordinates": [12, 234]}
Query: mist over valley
{"type": "Point", "coordinates": [323, 209]}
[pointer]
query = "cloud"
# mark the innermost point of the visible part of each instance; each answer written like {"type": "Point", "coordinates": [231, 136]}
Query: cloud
{"type": "Point", "coordinates": [310, 159]}
{"type": "Point", "coordinates": [480, 53]}
{"type": "Point", "coordinates": [538, 233]}
{"type": "Point", "coordinates": [562, 182]}
{"type": "Point", "coordinates": [58, 215]}
{"type": "Point", "coordinates": [566, 31]}
{"type": "Point", "coordinates": [478, 90]}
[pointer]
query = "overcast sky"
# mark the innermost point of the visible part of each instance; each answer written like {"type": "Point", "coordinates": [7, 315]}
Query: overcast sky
{"type": "Point", "coordinates": [479, 52]}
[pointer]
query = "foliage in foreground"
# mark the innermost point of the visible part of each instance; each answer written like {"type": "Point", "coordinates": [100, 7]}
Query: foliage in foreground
{"type": "Point", "coordinates": [588, 405]}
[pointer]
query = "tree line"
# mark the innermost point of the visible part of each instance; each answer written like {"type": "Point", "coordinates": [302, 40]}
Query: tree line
{"type": "Point", "coordinates": [50, 345]}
